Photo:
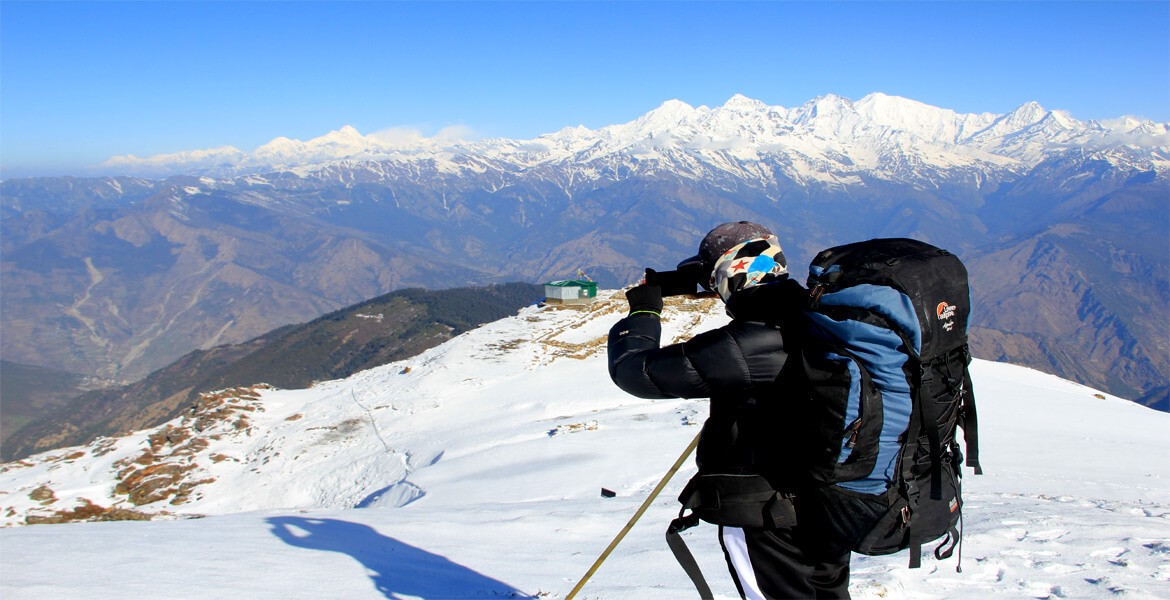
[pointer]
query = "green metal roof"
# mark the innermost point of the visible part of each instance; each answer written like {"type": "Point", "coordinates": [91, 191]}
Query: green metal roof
{"type": "Point", "coordinates": [573, 283]}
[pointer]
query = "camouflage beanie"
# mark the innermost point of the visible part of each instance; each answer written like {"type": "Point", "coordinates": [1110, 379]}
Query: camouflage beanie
{"type": "Point", "coordinates": [751, 263]}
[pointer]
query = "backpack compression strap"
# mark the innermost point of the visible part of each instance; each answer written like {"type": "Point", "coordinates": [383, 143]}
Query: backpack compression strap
{"type": "Point", "coordinates": [683, 555]}
{"type": "Point", "coordinates": [908, 489]}
{"type": "Point", "coordinates": [970, 420]}
{"type": "Point", "coordinates": [929, 415]}
{"type": "Point", "coordinates": [928, 422]}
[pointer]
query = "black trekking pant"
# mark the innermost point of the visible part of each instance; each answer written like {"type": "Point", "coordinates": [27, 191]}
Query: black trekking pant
{"type": "Point", "coordinates": [776, 564]}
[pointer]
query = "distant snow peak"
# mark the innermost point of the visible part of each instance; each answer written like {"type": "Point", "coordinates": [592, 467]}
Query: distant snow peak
{"type": "Point", "coordinates": [742, 103]}
{"type": "Point", "coordinates": [667, 116]}
{"type": "Point", "coordinates": [824, 107]}
{"type": "Point", "coordinates": [1026, 114]}
{"type": "Point", "coordinates": [341, 144]}
{"type": "Point", "coordinates": [830, 136]}
{"type": "Point", "coordinates": [284, 153]}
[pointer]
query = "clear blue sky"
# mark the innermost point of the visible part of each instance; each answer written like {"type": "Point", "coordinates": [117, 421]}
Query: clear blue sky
{"type": "Point", "coordinates": [83, 81]}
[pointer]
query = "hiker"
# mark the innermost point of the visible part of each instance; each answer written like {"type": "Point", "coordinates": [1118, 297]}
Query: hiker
{"type": "Point", "coordinates": [744, 368]}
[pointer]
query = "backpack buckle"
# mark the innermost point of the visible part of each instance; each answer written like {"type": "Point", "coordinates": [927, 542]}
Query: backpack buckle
{"type": "Point", "coordinates": [814, 295]}
{"type": "Point", "coordinates": [925, 373]}
{"type": "Point", "coordinates": [684, 522]}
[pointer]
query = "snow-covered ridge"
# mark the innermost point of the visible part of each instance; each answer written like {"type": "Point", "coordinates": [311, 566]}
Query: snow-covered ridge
{"type": "Point", "coordinates": [479, 464]}
{"type": "Point", "coordinates": [869, 131]}
{"type": "Point", "coordinates": [338, 445]}
{"type": "Point", "coordinates": [362, 440]}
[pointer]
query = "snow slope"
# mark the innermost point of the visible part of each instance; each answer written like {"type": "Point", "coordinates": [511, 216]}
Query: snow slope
{"type": "Point", "coordinates": [474, 470]}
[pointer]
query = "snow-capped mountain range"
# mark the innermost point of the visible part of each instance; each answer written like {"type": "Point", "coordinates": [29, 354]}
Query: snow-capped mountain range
{"type": "Point", "coordinates": [475, 470]}
{"type": "Point", "coordinates": [824, 137]}
{"type": "Point", "coordinates": [1062, 224]}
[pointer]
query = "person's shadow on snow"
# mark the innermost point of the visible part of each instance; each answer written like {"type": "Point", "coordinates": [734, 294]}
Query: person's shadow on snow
{"type": "Point", "coordinates": [397, 569]}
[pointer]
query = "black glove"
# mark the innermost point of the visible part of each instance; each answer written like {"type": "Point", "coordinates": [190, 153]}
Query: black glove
{"type": "Point", "coordinates": [673, 283]}
{"type": "Point", "coordinates": [645, 298]}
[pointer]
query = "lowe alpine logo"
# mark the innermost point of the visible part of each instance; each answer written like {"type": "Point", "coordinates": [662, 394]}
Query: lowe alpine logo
{"type": "Point", "coordinates": [946, 312]}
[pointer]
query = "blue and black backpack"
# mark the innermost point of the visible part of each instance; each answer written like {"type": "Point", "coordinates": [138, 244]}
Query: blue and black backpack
{"type": "Point", "coordinates": [886, 364]}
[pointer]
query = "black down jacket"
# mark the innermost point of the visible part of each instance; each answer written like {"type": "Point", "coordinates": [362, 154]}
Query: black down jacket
{"type": "Point", "coordinates": [741, 367]}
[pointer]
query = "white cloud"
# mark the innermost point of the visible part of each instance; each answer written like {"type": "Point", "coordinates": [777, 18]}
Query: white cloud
{"type": "Point", "coordinates": [455, 133]}
{"type": "Point", "coordinates": [1135, 132]}
{"type": "Point", "coordinates": [211, 155]}
{"type": "Point", "coordinates": [398, 136]}
{"type": "Point", "coordinates": [535, 147]}
{"type": "Point", "coordinates": [407, 137]}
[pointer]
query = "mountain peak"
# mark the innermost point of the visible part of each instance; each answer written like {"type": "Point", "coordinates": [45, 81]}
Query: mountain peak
{"type": "Point", "coordinates": [741, 122]}
{"type": "Point", "coordinates": [671, 110]}
{"type": "Point", "coordinates": [831, 104]}
{"type": "Point", "coordinates": [879, 99]}
{"type": "Point", "coordinates": [338, 144]}
{"type": "Point", "coordinates": [1028, 112]}
{"type": "Point", "coordinates": [822, 108]}
{"type": "Point", "coordinates": [743, 103]}
{"type": "Point", "coordinates": [663, 120]}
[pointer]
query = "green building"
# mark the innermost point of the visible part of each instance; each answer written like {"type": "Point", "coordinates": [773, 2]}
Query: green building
{"type": "Point", "coordinates": [570, 291]}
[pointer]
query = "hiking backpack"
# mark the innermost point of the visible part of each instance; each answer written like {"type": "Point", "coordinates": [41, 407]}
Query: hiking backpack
{"type": "Point", "coordinates": [886, 365]}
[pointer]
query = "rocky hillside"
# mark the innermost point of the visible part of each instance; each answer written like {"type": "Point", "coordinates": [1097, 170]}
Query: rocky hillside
{"type": "Point", "coordinates": [30, 393]}
{"type": "Point", "coordinates": [388, 328]}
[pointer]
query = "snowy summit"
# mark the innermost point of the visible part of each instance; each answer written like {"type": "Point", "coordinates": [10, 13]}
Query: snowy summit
{"type": "Point", "coordinates": [474, 470]}
{"type": "Point", "coordinates": [873, 132]}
